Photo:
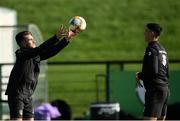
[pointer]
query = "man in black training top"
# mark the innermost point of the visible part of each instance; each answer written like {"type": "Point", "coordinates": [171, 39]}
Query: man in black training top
{"type": "Point", "coordinates": [24, 75]}
{"type": "Point", "coordinates": [155, 75]}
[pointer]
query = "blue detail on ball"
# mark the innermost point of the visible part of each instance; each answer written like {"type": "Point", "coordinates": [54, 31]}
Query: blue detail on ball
{"type": "Point", "coordinates": [75, 22]}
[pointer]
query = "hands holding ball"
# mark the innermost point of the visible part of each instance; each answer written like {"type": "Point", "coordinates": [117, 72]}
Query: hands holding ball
{"type": "Point", "coordinates": [77, 24]}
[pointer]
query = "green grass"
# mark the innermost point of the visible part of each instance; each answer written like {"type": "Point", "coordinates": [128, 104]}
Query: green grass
{"type": "Point", "coordinates": [114, 32]}
{"type": "Point", "coordinates": [114, 27]}
{"type": "Point", "coordinates": [76, 85]}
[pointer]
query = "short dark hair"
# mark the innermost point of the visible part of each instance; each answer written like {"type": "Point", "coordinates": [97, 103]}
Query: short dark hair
{"type": "Point", "coordinates": [20, 36]}
{"type": "Point", "coordinates": [155, 28]}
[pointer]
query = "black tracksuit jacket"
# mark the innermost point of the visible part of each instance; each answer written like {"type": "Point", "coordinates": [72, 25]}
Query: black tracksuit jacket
{"type": "Point", "coordinates": [155, 70]}
{"type": "Point", "coordinates": [24, 75]}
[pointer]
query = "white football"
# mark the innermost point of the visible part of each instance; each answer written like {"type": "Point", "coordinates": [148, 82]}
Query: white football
{"type": "Point", "coordinates": [77, 24]}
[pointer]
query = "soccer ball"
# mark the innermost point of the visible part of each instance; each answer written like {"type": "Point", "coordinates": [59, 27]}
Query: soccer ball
{"type": "Point", "coordinates": [77, 24]}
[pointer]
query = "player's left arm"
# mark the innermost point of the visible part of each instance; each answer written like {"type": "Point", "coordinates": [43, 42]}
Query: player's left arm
{"type": "Point", "coordinates": [153, 62]}
{"type": "Point", "coordinates": [54, 50]}
{"type": "Point", "coordinates": [63, 36]}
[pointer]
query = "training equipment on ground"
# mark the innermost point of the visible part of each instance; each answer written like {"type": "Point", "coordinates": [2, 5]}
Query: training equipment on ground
{"type": "Point", "coordinates": [77, 24]}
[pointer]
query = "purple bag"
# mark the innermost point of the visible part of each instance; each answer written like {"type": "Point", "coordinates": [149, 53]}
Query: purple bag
{"type": "Point", "coordinates": [46, 112]}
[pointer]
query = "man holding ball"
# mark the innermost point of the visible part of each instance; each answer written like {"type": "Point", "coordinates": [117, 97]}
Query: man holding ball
{"type": "Point", "coordinates": [24, 75]}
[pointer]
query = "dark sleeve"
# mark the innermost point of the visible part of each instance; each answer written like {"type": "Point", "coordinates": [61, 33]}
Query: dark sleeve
{"type": "Point", "coordinates": [32, 52]}
{"type": "Point", "coordinates": [27, 53]}
{"type": "Point", "coordinates": [153, 62]}
{"type": "Point", "coordinates": [49, 43]}
{"type": "Point", "coordinates": [47, 53]}
{"type": "Point", "coordinates": [150, 64]}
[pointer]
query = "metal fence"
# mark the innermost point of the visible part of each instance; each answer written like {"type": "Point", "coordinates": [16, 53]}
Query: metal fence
{"type": "Point", "coordinates": [83, 83]}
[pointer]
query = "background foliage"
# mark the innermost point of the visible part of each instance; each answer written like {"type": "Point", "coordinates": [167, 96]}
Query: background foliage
{"type": "Point", "coordinates": [114, 27]}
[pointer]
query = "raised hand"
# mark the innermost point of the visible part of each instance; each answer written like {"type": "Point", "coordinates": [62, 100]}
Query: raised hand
{"type": "Point", "coordinates": [65, 32]}
{"type": "Point", "coordinates": [62, 32]}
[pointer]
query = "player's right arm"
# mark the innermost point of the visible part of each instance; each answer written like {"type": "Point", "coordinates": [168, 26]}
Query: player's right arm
{"type": "Point", "coordinates": [46, 47]}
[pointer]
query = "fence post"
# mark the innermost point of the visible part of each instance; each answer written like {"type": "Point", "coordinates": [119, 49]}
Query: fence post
{"type": "Point", "coordinates": [121, 66]}
{"type": "Point", "coordinates": [107, 82]}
